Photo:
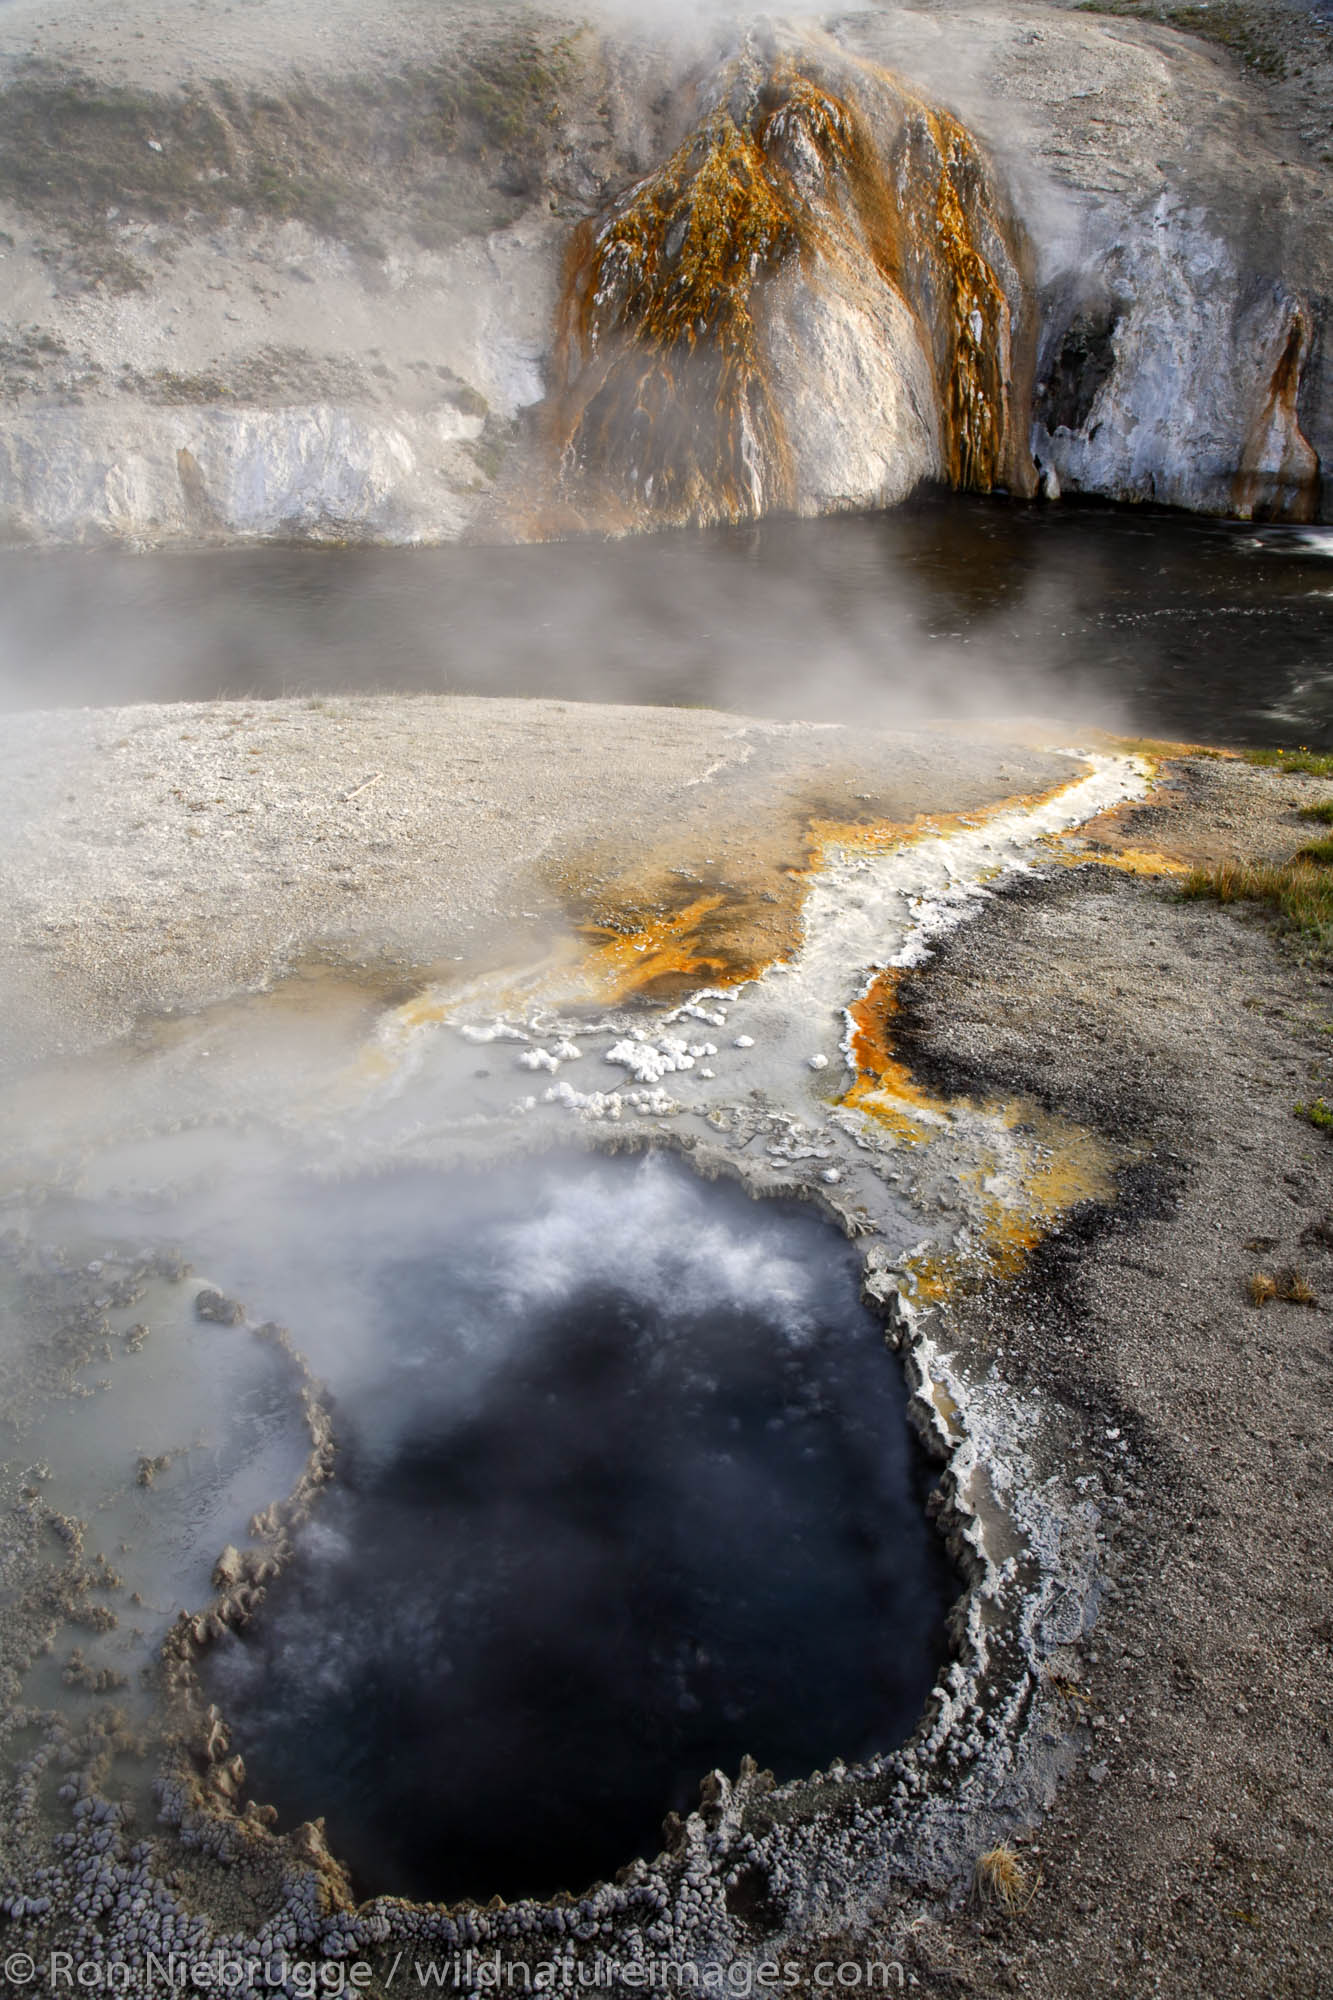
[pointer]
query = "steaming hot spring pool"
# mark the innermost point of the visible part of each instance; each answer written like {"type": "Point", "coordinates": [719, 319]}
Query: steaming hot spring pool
{"type": "Point", "coordinates": [625, 1490]}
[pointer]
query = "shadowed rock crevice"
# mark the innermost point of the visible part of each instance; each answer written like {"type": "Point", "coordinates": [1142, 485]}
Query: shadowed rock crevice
{"type": "Point", "coordinates": [1080, 364]}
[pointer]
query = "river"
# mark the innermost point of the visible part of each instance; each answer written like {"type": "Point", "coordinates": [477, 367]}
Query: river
{"type": "Point", "coordinates": [950, 608]}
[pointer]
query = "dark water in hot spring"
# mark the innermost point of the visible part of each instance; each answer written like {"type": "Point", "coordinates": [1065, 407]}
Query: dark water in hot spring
{"type": "Point", "coordinates": [626, 1491]}
{"type": "Point", "coordinates": [1139, 620]}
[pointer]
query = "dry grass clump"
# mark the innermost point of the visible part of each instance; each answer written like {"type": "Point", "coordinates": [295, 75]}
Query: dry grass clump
{"type": "Point", "coordinates": [1001, 1881]}
{"type": "Point", "coordinates": [1300, 891]}
{"type": "Point", "coordinates": [1287, 1286]}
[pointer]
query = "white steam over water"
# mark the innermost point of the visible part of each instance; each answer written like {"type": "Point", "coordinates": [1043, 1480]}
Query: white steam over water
{"type": "Point", "coordinates": [314, 1255]}
{"type": "Point", "coordinates": [655, 1236]}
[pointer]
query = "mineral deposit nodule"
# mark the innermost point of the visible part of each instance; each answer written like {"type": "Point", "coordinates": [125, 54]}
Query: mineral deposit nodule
{"type": "Point", "coordinates": [627, 1493]}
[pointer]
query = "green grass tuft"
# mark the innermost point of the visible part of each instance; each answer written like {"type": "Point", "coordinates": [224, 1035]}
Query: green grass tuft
{"type": "Point", "coordinates": [1323, 812]}
{"type": "Point", "coordinates": [1319, 854]}
{"type": "Point", "coordinates": [1299, 763]}
{"type": "Point", "coordinates": [1319, 1114]}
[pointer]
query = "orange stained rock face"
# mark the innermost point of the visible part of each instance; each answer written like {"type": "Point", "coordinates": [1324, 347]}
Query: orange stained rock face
{"type": "Point", "coordinates": [666, 930]}
{"type": "Point", "coordinates": [1107, 840]}
{"type": "Point", "coordinates": [644, 939]}
{"type": "Point", "coordinates": [660, 938]}
{"type": "Point", "coordinates": [1077, 1170]}
{"type": "Point", "coordinates": [1052, 1165]}
{"type": "Point", "coordinates": [883, 1085]}
{"type": "Point", "coordinates": [1126, 860]}
{"type": "Point", "coordinates": [664, 404]}
{"type": "Point", "coordinates": [965, 310]}
{"type": "Point", "coordinates": [828, 836]}
{"type": "Point", "coordinates": [1159, 749]}
{"type": "Point", "coordinates": [1061, 1165]}
{"type": "Point", "coordinates": [656, 955]}
{"type": "Point", "coordinates": [665, 399]}
{"type": "Point", "coordinates": [931, 1278]}
{"type": "Point", "coordinates": [1071, 1169]}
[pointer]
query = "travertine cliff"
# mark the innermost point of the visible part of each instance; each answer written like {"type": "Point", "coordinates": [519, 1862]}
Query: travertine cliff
{"type": "Point", "coordinates": [274, 275]}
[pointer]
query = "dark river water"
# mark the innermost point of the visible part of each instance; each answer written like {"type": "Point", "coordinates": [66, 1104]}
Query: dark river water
{"type": "Point", "coordinates": [950, 608]}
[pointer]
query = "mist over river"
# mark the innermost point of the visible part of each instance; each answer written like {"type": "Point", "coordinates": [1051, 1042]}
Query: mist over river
{"type": "Point", "coordinates": [951, 608]}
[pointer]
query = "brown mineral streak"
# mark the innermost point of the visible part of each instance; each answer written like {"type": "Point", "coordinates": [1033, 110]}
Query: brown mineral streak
{"type": "Point", "coordinates": [663, 404]}
{"type": "Point", "coordinates": [1278, 479]}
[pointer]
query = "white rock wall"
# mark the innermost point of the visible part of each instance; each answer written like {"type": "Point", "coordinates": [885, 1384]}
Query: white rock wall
{"type": "Point", "coordinates": [856, 392]}
{"type": "Point", "coordinates": [1187, 417]}
{"type": "Point", "coordinates": [1142, 173]}
{"type": "Point", "coordinates": [315, 472]}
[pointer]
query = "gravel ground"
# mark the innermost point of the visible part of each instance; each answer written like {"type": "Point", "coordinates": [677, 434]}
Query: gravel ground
{"type": "Point", "coordinates": [1191, 1853]}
